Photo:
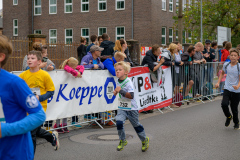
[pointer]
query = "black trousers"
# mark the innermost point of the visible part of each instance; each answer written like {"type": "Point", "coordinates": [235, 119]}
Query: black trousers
{"type": "Point", "coordinates": [39, 132]}
{"type": "Point", "coordinates": [233, 99]}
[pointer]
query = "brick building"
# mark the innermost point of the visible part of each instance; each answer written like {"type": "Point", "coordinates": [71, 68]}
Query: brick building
{"type": "Point", "coordinates": [67, 20]}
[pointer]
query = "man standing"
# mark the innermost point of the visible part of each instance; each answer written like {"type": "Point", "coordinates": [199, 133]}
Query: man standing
{"type": "Point", "coordinates": [108, 47]}
{"type": "Point", "coordinates": [93, 40]}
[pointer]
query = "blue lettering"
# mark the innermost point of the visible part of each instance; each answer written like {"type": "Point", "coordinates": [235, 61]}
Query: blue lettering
{"type": "Point", "coordinates": [83, 96]}
{"type": "Point", "coordinates": [91, 94]}
{"type": "Point", "coordinates": [72, 93]}
{"type": "Point", "coordinates": [78, 90]}
{"type": "Point", "coordinates": [99, 92]}
{"type": "Point", "coordinates": [61, 94]}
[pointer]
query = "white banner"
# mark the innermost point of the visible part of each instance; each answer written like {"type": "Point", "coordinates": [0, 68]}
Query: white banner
{"type": "Point", "coordinates": [1, 112]}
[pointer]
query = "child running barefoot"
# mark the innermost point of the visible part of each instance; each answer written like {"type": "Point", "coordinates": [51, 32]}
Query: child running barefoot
{"type": "Point", "coordinates": [128, 107]}
{"type": "Point", "coordinates": [231, 92]}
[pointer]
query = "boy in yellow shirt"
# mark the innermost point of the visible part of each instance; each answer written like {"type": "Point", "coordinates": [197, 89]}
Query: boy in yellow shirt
{"type": "Point", "coordinates": [42, 86]}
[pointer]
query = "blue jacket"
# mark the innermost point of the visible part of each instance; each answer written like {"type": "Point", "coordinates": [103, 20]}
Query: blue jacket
{"type": "Point", "coordinates": [87, 61]}
{"type": "Point", "coordinates": [109, 64]}
{"type": "Point", "coordinates": [88, 47]}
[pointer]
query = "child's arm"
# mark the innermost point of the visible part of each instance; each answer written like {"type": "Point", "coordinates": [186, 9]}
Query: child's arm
{"type": "Point", "coordinates": [236, 87]}
{"type": "Point", "coordinates": [118, 89]}
{"type": "Point", "coordinates": [80, 68]}
{"type": "Point", "coordinates": [45, 96]}
{"type": "Point", "coordinates": [71, 70]}
{"type": "Point", "coordinates": [101, 65]}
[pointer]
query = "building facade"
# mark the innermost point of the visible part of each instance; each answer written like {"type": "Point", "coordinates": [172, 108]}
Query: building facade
{"type": "Point", "coordinates": [148, 21]}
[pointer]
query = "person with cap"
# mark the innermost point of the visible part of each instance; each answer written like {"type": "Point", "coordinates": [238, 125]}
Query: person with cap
{"type": "Point", "coordinates": [92, 59]}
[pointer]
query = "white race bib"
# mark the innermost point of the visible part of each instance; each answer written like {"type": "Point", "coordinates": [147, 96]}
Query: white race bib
{"type": "Point", "coordinates": [124, 104]}
{"type": "Point", "coordinates": [2, 118]}
{"type": "Point", "coordinates": [35, 91]}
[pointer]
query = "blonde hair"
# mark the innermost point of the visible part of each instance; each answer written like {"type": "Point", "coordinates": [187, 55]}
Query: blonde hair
{"type": "Point", "coordinates": [171, 48]}
{"type": "Point", "coordinates": [199, 44]}
{"type": "Point", "coordinates": [117, 46]}
{"type": "Point", "coordinates": [119, 55]}
{"type": "Point", "coordinates": [37, 46]}
{"type": "Point", "coordinates": [72, 62]}
{"type": "Point", "coordinates": [125, 66]}
{"type": "Point", "coordinates": [5, 48]}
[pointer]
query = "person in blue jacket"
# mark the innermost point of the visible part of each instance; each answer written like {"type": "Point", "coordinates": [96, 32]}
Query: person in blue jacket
{"type": "Point", "coordinates": [16, 100]}
{"type": "Point", "coordinates": [109, 63]}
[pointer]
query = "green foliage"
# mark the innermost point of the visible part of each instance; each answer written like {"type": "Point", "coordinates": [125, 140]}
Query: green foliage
{"type": "Point", "coordinates": [224, 13]}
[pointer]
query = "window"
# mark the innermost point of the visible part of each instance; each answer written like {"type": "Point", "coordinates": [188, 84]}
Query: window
{"type": "Point", "coordinates": [164, 35]}
{"type": "Point", "coordinates": [15, 27]}
{"type": "Point", "coordinates": [120, 4]}
{"type": "Point", "coordinates": [164, 5]}
{"type": "Point", "coordinates": [68, 36]}
{"type": "Point", "coordinates": [170, 5]}
{"type": "Point", "coordinates": [102, 5]}
{"type": "Point", "coordinates": [85, 34]}
{"type": "Point", "coordinates": [37, 7]}
{"type": "Point", "coordinates": [53, 36]}
{"type": "Point", "coordinates": [189, 37]}
{"type": "Point", "coordinates": [170, 35]}
{"type": "Point", "coordinates": [68, 6]}
{"type": "Point", "coordinates": [38, 31]}
{"type": "Point", "coordinates": [184, 37]}
{"type": "Point", "coordinates": [102, 30]}
{"type": "Point", "coordinates": [15, 2]}
{"type": "Point", "coordinates": [120, 33]}
{"type": "Point", "coordinates": [176, 35]}
{"type": "Point", "coordinates": [52, 6]}
{"type": "Point", "coordinates": [85, 6]}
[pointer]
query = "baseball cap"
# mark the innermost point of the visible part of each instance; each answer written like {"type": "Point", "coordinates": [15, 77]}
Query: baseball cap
{"type": "Point", "coordinates": [96, 48]}
{"type": "Point", "coordinates": [207, 41]}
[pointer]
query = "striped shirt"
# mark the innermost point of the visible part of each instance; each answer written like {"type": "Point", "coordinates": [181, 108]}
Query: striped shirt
{"type": "Point", "coordinates": [232, 78]}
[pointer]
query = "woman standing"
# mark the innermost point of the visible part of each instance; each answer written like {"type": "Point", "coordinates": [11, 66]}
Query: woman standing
{"type": "Point", "coordinates": [81, 50]}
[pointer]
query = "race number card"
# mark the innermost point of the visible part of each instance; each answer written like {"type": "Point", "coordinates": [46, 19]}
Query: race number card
{"type": "Point", "coordinates": [2, 118]}
{"type": "Point", "coordinates": [124, 104]}
{"type": "Point", "coordinates": [35, 91]}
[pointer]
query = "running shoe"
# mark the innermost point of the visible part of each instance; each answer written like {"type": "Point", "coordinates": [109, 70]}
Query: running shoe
{"type": "Point", "coordinates": [228, 120]}
{"type": "Point", "coordinates": [145, 144]}
{"type": "Point", "coordinates": [121, 145]}
{"type": "Point", "coordinates": [236, 126]}
{"type": "Point", "coordinates": [60, 130]}
{"type": "Point", "coordinates": [56, 144]}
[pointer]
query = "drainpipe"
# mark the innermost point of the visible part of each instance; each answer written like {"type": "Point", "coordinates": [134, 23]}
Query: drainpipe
{"type": "Point", "coordinates": [132, 19]}
{"type": "Point", "coordinates": [32, 14]}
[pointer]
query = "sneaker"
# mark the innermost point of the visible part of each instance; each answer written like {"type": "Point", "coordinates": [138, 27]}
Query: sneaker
{"type": "Point", "coordinates": [228, 120]}
{"type": "Point", "coordinates": [236, 126]}
{"type": "Point", "coordinates": [47, 129]}
{"type": "Point", "coordinates": [55, 143]}
{"type": "Point", "coordinates": [121, 145]}
{"type": "Point", "coordinates": [145, 144]}
{"type": "Point", "coordinates": [65, 129]}
{"type": "Point", "coordinates": [78, 126]}
{"type": "Point", "coordinates": [60, 130]}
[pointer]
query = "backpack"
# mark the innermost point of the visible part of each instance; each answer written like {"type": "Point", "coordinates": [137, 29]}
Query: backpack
{"type": "Point", "coordinates": [177, 99]}
{"type": "Point", "coordinates": [228, 64]}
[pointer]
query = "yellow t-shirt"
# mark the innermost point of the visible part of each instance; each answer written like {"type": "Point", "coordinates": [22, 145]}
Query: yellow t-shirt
{"type": "Point", "coordinates": [39, 80]}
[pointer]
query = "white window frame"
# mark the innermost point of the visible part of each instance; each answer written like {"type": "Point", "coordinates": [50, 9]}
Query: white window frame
{"type": "Point", "coordinates": [82, 3]}
{"type": "Point", "coordinates": [120, 35]}
{"type": "Point", "coordinates": [171, 3]}
{"type": "Point", "coordinates": [14, 27]}
{"type": "Point", "coordinates": [37, 30]}
{"type": "Point", "coordinates": [164, 36]}
{"type": "Point", "coordinates": [99, 32]}
{"type": "Point", "coordinates": [15, 3]}
{"type": "Point", "coordinates": [52, 37]}
{"type": "Point", "coordinates": [37, 6]}
{"type": "Point", "coordinates": [52, 5]}
{"type": "Point", "coordinates": [87, 37]}
{"type": "Point", "coordinates": [65, 5]}
{"type": "Point", "coordinates": [171, 35]}
{"type": "Point", "coordinates": [103, 1]}
{"type": "Point", "coordinates": [165, 5]}
{"type": "Point", "coordinates": [189, 38]}
{"type": "Point", "coordinates": [119, 1]}
{"type": "Point", "coordinates": [68, 36]}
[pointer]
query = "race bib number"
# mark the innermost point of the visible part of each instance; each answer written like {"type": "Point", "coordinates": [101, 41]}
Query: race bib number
{"type": "Point", "coordinates": [124, 104]}
{"type": "Point", "coordinates": [2, 118]}
{"type": "Point", "coordinates": [35, 91]}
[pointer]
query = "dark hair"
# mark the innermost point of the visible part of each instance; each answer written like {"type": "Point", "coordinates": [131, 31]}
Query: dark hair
{"type": "Point", "coordinates": [37, 53]}
{"type": "Point", "coordinates": [93, 38]}
{"type": "Point", "coordinates": [213, 44]}
{"type": "Point", "coordinates": [175, 42]}
{"type": "Point", "coordinates": [238, 47]}
{"type": "Point", "coordinates": [5, 48]}
{"type": "Point", "coordinates": [122, 41]}
{"type": "Point", "coordinates": [190, 49]}
{"type": "Point", "coordinates": [155, 47]}
{"type": "Point", "coordinates": [82, 39]}
{"type": "Point", "coordinates": [224, 43]}
{"type": "Point", "coordinates": [99, 37]}
{"type": "Point", "coordinates": [37, 46]}
{"type": "Point", "coordinates": [105, 36]}
{"type": "Point", "coordinates": [228, 46]}
{"type": "Point", "coordinates": [234, 50]}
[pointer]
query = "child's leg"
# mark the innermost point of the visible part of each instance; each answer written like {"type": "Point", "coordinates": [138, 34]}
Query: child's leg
{"type": "Point", "coordinates": [234, 106]}
{"type": "Point", "coordinates": [133, 118]}
{"type": "Point", "coordinates": [57, 123]}
{"type": "Point", "coordinates": [34, 137]}
{"type": "Point", "coordinates": [64, 121]}
{"type": "Point", "coordinates": [42, 133]}
{"type": "Point", "coordinates": [120, 120]}
{"type": "Point", "coordinates": [225, 103]}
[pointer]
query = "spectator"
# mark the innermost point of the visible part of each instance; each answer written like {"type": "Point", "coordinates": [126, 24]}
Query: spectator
{"type": "Point", "coordinates": [121, 46]}
{"type": "Point", "coordinates": [100, 40]}
{"type": "Point", "coordinates": [179, 48]}
{"type": "Point", "coordinates": [222, 82]}
{"type": "Point", "coordinates": [215, 46]}
{"type": "Point", "coordinates": [81, 50]}
{"type": "Point", "coordinates": [92, 59]}
{"type": "Point", "coordinates": [220, 51]}
{"type": "Point", "coordinates": [225, 51]}
{"type": "Point", "coordinates": [187, 59]}
{"type": "Point", "coordinates": [93, 40]}
{"type": "Point", "coordinates": [108, 47]}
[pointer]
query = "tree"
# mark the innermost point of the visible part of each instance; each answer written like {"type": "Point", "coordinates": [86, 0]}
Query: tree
{"type": "Point", "coordinates": [224, 13]}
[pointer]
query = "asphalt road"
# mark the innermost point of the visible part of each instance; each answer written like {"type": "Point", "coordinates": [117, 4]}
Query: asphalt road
{"type": "Point", "coordinates": [189, 133]}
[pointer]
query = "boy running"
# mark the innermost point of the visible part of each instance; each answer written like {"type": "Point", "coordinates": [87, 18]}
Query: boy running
{"type": "Point", "coordinates": [42, 86]}
{"type": "Point", "coordinates": [16, 100]}
{"type": "Point", "coordinates": [231, 92]}
{"type": "Point", "coordinates": [127, 107]}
